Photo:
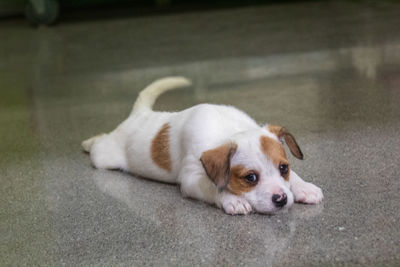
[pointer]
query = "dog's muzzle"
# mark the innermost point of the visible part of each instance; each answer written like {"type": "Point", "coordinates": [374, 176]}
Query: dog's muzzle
{"type": "Point", "coordinates": [279, 200]}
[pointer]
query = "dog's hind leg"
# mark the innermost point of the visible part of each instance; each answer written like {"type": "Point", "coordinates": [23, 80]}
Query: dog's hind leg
{"type": "Point", "coordinates": [87, 144]}
{"type": "Point", "coordinates": [105, 151]}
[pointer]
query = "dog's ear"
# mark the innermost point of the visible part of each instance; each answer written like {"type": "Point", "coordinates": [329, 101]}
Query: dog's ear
{"type": "Point", "coordinates": [217, 163]}
{"type": "Point", "coordinates": [284, 135]}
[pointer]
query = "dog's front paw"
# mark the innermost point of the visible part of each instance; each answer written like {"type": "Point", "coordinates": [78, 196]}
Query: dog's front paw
{"type": "Point", "coordinates": [234, 205]}
{"type": "Point", "coordinates": [307, 193]}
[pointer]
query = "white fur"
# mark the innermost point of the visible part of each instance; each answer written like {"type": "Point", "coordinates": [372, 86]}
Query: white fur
{"type": "Point", "coordinates": [193, 131]}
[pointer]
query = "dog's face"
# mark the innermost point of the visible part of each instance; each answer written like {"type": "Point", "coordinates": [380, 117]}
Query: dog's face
{"type": "Point", "coordinates": [254, 165]}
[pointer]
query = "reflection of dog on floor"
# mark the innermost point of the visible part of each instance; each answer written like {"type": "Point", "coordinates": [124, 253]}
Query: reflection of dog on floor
{"type": "Point", "coordinates": [216, 153]}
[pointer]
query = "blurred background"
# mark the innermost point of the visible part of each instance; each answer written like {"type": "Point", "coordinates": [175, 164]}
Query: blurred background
{"type": "Point", "coordinates": [329, 71]}
{"type": "Point", "coordinates": [48, 11]}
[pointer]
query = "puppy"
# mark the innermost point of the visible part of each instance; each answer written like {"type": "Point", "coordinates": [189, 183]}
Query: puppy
{"type": "Point", "coordinates": [216, 153]}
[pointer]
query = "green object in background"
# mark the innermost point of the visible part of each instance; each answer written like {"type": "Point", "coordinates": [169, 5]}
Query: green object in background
{"type": "Point", "coordinates": [42, 11]}
{"type": "Point", "coordinates": [47, 11]}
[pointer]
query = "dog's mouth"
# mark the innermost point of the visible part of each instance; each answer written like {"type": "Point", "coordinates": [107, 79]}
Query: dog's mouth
{"type": "Point", "coordinates": [271, 208]}
{"type": "Point", "coordinates": [275, 210]}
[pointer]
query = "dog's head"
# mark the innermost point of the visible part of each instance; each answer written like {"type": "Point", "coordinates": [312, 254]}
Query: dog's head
{"type": "Point", "coordinates": [253, 164]}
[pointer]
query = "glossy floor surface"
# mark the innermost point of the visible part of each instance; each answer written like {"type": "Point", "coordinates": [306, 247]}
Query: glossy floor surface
{"type": "Point", "coordinates": [328, 71]}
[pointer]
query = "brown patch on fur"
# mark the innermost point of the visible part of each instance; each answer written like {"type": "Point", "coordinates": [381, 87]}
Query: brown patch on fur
{"type": "Point", "coordinates": [160, 149]}
{"type": "Point", "coordinates": [274, 151]}
{"type": "Point", "coordinates": [216, 163]}
{"type": "Point", "coordinates": [275, 129]}
{"type": "Point", "coordinates": [283, 134]}
{"type": "Point", "coordinates": [237, 183]}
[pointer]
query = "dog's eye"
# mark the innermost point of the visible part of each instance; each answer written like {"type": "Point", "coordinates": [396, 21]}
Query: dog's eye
{"type": "Point", "coordinates": [283, 168]}
{"type": "Point", "coordinates": [251, 178]}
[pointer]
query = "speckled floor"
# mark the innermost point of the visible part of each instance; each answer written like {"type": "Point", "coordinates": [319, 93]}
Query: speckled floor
{"type": "Point", "coordinates": [328, 71]}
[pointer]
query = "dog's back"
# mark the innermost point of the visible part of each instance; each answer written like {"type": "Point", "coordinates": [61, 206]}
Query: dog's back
{"type": "Point", "coordinates": [153, 144]}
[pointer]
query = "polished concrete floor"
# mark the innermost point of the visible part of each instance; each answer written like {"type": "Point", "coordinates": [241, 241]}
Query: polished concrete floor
{"type": "Point", "coordinates": [328, 71]}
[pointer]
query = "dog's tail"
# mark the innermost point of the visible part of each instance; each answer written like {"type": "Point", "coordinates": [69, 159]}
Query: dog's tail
{"type": "Point", "coordinates": [148, 96]}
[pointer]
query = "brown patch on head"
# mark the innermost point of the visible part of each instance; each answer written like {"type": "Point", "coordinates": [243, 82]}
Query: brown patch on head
{"type": "Point", "coordinates": [237, 183]}
{"type": "Point", "coordinates": [283, 134]}
{"type": "Point", "coordinates": [216, 163]}
{"type": "Point", "coordinates": [274, 151]}
{"type": "Point", "coordinates": [275, 129]}
{"type": "Point", "coordinates": [160, 149]}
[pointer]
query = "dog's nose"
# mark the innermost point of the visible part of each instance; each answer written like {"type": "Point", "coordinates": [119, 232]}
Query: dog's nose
{"type": "Point", "coordinates": [279, 200]}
